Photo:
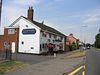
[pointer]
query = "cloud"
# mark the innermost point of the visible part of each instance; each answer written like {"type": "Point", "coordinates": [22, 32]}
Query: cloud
{"type": "Point", "coordinates": [52, 25]}
{"type": "Point", "coordinates": [26, 2]}
{"type": "Point", "coordinates": [10, 14]}
{"type": "Point", "coordinates": [91, 19]}
{"type": "Point", "coordinates": [92, 16]}
{"type": "Point", "coordinates": [14, 9]}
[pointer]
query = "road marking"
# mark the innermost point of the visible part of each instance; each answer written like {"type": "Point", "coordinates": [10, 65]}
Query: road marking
{"type": "Point", "coordinates": [72, 73]}
{"type": "Point", "coordinates": [83, 73]}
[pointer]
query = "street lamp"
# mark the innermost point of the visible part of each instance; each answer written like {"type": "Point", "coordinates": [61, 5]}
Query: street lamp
{"type": "Point", "coordinates": [0, 10]}
{"type": "Point", "coordinates": [84, 26]}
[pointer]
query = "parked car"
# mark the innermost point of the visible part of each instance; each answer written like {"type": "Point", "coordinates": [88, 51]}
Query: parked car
{"type": "Point", "coordinates": [88, 47]}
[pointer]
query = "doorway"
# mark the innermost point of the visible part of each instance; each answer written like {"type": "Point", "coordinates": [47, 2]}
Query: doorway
{"type": "Point", "coordinates": [13, 47]}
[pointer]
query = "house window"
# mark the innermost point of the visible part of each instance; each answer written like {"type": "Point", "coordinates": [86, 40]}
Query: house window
{"type": "Point", "coordinates": [40, 47]}
{"type": "Point", "coordinates": [55, 36]}
{"type": "Point", "coordinates": [22, 42]}
{"type": "Point", "coordinates": [43, 35]}
{"type": "Point", "coordinates": [49, 35]}
{"type": "Point", "coordinates": [11, 31]}
{"type": "Point", "coordinates": [8, 43]}
{"type": "Point", "coordinates": [5, 43]}
{"type": "Point", "coordinates": [49, 40]}
{"type": "Point", "coordinates": [61, 38]}
{"type": "Point", "coordinates": [69, 39]}
{"type": "Point", "coordinates": [26, 25]}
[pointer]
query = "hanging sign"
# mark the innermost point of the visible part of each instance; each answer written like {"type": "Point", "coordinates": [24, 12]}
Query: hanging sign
{"type": "Point", "coordinates": [29, 31]}
{"type": "Point", "coordinates": [45, 33]}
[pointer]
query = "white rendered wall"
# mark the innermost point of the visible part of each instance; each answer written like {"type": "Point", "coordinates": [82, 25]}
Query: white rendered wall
{"type": "Point", "coordinates": [1, 31]}
{"type": "Point", "coordinates": [45, 40]}
{"type": "Point", "coordinates": [32, 40]}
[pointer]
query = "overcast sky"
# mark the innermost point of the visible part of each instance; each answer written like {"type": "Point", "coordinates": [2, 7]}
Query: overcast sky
{"type": "Point", "coordinates": [80, 17]}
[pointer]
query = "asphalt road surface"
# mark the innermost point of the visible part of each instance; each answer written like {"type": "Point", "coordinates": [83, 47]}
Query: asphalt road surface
{"type": "Point", "coordinates": [31, 59]}
{"type": "Point", "coordinates": [79, 72]}
{"type": "Point", "coordinates": [93, 62]}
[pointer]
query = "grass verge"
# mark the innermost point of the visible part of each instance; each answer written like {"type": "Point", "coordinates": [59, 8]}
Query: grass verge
{"type": "Point", "coordinates": [77, 54]}
{"type": "Point", "coordinates": [10, 66]}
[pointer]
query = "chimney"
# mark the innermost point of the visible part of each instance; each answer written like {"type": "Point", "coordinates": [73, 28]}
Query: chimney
{"type": "Point", "coordinates": [71, 34]}
{"type": "Point", "coordinates": [30, 13]}
{"type": "Point", "coordinates": [42, 22]}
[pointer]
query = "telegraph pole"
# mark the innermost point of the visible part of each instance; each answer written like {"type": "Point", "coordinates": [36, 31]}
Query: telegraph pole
{"type": "Point", "coordinates": [0, 10]}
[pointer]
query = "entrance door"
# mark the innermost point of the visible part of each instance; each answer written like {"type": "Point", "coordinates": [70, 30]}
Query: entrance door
{"type": "Point", "coordinates": [13, 47]}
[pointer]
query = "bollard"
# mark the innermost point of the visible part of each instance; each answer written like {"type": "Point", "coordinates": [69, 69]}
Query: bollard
{"type": "Point", "coordinates": [55, 55]}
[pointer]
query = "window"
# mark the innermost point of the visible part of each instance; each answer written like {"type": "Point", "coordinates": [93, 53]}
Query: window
{"type": "Point", "coordinates": [48, 40]}
{"type": "Point", "coordinates": [40, 47]}
{"type": "Point", "coordinates": [55, 36]}
{"type": "Point", "coordinates": [69, 39]}
{"type": "Point", "coordinates": [44, 35]}
{"type": "Point", "coordinates": [49, 35]}
{"type": "Point", "coordinates": [11, 31]}
{"type": "Point", "coordinates": [32, 47]}
{"type": "Point", "coordinates": [26, 25]}
{"type": "Point", "coordinates": [61, 38]}
{"type": "Point", "coordinates": [5, 43]}
{"type": "Point", "coordinates": [22, 42]}
{"type": "Point", "coordinates": [8, 43]}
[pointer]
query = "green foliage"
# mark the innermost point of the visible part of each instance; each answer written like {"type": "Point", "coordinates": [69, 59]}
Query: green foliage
{"type": "Point", "coordinates": [73, 45]}
{"type": "Point", "coordinates": [70, 47]}
{"type": "Point", "coordinates": [97, 42]}
{"type": "Point", "coordinates": [8, 66]}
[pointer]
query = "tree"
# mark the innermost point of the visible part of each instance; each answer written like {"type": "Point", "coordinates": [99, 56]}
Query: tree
{"type": "Point", "coordinates": [73, 45]}
{"type": "Point", "coordinates": [97, 42]}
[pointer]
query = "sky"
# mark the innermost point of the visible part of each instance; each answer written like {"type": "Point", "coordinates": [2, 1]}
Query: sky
{"type": "Point", "coordinates": [80, 17]}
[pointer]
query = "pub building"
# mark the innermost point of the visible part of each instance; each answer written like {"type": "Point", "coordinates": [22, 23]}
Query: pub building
{"type": "Point", "coordinates": [25, 35]}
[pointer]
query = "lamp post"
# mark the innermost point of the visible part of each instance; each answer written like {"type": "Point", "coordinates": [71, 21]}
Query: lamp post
{"type": "Point", "coordinates": [84, 26]}
{"type": "Point", "coordinates": [0, 10]}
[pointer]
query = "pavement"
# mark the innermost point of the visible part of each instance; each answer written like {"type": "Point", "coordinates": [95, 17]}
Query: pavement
{"type": "Point", "coordinates": [93, 62]}
{"type": "Point", "coordinates": [55, 66]}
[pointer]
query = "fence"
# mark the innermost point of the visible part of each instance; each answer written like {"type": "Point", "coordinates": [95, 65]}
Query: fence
{"type": "Point", "coordinates": [5, 55]}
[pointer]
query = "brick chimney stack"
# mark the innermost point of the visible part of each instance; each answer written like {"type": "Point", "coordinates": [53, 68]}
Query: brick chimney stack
{"type": "Point", "coordinates": [30, 13]}
{"type": "Point", "coordinates": [71, 34]}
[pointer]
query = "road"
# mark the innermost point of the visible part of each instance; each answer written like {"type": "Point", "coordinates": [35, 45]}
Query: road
{"type": "Point", "coordinates": [31, 59]}
{"type": "Point", "coordinates": [56, 66]}
{"type": "Point", "coordinates": [93, 62]}
{"type": "Point", "coordinates": [80, 70]}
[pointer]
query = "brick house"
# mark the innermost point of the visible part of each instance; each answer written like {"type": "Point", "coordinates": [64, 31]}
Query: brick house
{"type": "Point", "coordinates": [9, 38]}
{"type": "Point", "coordinates": [70, 39]}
